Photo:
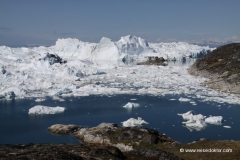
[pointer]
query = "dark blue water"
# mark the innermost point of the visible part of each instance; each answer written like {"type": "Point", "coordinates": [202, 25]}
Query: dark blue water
{"type": "Point", "coordinates": [17, 126]}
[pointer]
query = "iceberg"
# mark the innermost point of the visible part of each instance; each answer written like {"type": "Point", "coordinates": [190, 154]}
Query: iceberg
{"type": "Point", "coordinates": [199, 121]}
{"type": "Point", "coordinates": [134, 122]}
{"type": "Point", "coordinates": [190, 116]}
{"type": "Point", "coordinates": [193, 121]}
{"type": "Point", "coordinates": [39, 109]}
{"type": "Point", "coordinates": [198, 125]}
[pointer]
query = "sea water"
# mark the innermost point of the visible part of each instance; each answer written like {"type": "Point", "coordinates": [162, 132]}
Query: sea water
{"type": "Point", "coordinates": [17, 126]}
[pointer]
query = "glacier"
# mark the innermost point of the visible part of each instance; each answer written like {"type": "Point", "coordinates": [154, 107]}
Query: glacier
{"type": "Point", "coordinates": [75, 68]}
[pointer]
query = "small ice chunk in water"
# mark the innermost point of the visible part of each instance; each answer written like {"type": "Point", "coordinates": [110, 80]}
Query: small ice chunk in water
{"type": "Point", "coordinates": [39, 109]}
{"type": "Point", "coordinates": [40, 100]}
{"type": "Point", "coordinates": [227, 126]}
{"type": "Point", "coordinates": [131, 105]}
{"type": "Point", "coordinates": [184, 99]}
{"type": "Point", "coordinates": [193, 103]}
{"type": "Point", "coordinates": [199, 121]}
{"type": "Point", "coordinates": [217, 120]}
{"type": "Point", "coordinates": [134, 122]}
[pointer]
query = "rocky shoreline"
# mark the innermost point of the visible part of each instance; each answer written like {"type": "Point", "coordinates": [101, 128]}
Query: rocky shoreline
{"type": "Point", "coordinates": [111, 141]}
{"type": "Point", "coordinates": [221, 67]}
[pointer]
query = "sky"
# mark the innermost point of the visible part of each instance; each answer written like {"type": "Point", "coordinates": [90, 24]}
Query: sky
{"type": "Point", "coordinates": [42, 22]}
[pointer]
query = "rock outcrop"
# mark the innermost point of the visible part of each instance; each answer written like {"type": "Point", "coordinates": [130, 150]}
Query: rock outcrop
{"type": "Point", "coordinates": [131, 141]}
{"type": "Point", "coordinates": [63, 129]}
{"type": "Point", "coordinates": [52, 58]}
{"type": "Point", "coordinates": [154, 61]}
{"type": "Point", "coordinates": [126, 138]}
{"type": "Point", "coordinates": [222, 67]}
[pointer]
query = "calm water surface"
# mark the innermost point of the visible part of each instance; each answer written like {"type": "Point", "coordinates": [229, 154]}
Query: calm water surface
{"type": "Point", "coordinates": [17, 126]}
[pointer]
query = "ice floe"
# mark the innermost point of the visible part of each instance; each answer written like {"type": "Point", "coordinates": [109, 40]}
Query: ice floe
{"type": "Point", "coordinates": [132, 122]}
{"type": "Point", "coordinates": [39, 109]}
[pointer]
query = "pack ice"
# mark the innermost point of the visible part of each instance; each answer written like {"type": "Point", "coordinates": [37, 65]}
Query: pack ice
{"type": "Point", "coordinates": [75, 68]}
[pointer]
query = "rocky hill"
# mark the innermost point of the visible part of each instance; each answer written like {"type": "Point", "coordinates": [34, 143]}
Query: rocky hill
{"type": "Point", "coordinates": [222, 67]}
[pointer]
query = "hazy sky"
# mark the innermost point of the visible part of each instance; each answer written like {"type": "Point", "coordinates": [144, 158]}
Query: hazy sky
{"type": "Point", "coordinates": [25, 22]}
